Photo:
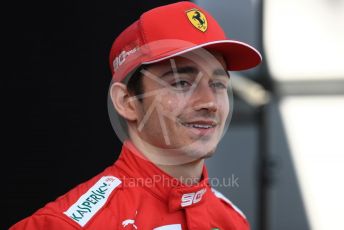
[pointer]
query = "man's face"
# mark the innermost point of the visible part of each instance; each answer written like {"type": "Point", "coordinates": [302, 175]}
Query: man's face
{"type": "Point", "coordinates": [185, 104]}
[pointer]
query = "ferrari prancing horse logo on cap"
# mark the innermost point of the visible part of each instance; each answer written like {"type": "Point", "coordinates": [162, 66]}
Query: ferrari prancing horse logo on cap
{"type": "Point", "coordinates": [198, 19]}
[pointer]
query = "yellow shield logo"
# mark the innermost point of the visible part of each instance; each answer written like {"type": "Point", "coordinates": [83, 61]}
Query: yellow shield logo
{"type": "Point", "coordinates": [197, 19]}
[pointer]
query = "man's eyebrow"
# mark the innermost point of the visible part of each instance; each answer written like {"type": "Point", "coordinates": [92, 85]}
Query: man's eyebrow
{"type": "Point", "coordinates": [182, 70]}
{"type": "Point", "coordinates": [193, 70]}
{"type": "Point", "coordinates": [221, 72]}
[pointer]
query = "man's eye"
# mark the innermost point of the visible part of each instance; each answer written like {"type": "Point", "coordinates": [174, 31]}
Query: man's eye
{"type": "Point", "coordinates": [218, 85]}
{"type": "Point", "coordinates": [181, 84]}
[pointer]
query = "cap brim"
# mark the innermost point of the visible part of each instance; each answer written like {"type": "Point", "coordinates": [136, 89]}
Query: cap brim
{"type": "Point", "coordinates": [238, 55]}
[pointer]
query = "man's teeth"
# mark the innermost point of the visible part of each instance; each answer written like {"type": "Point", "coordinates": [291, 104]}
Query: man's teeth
{"type": "Point", "coordinates": [199, 126]}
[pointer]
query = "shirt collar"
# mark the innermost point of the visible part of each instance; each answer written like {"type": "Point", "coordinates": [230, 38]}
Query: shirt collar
{"type": "Point", "coordinates": [141, 172]}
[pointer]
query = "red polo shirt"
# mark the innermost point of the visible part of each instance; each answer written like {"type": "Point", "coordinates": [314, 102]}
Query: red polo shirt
{"type": "Point", "coordinates": [135, 194]}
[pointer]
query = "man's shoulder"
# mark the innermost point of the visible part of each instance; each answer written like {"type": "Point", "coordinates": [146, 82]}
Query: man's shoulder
{"type": "Point", "coordinates": [229, 203]}
{"type": "Point", "coordinates": [85, 201]}
{"type": "Point", "coordinates": [80, 205]}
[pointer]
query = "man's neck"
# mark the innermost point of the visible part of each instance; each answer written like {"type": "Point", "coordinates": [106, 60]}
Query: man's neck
{"type": "Point", "coordinates": [184, 168]}
{"type": "Point", "coordinates": [189, 173]}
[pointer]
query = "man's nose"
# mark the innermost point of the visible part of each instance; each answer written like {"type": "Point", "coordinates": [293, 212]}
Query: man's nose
{"type": "Point", "coordinates": [205, 98]}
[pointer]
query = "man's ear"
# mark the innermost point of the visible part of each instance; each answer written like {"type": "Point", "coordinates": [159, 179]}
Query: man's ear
{"type": "Point", "coordinates": [123, 102]}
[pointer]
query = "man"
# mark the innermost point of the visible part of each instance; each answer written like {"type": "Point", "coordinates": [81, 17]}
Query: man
{"type": "Point", "coordinates": [170, 87]}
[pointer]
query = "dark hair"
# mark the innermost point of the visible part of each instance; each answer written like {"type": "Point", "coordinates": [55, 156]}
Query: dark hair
{"type": "Point", "coordinates": [134, 83]}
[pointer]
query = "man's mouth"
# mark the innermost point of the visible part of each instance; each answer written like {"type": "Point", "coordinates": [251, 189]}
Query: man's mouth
{"type": "Point", "coordinates": [201, 127]}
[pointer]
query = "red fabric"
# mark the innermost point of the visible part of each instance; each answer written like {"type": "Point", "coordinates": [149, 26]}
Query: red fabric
{"type": "Point", "coordinates": [146, 199]}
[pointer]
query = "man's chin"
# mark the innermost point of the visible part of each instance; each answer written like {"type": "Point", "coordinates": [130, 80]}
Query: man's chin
{"type": "Point", "coordinates": [200, 151]}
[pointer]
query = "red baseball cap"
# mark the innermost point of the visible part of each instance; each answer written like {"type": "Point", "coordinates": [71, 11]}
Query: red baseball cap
{"type": "Point", "coordinates": [172, 30]}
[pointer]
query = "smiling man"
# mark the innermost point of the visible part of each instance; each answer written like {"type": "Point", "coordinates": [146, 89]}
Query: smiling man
{"type": "Point", "coordinates": [189, 103]}
{"type": "Point", "coordinates": [171, 92]}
